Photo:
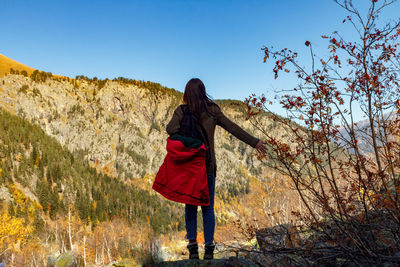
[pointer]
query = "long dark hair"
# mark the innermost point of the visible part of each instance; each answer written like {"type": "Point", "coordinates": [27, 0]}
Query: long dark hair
{"type": "Point", "coordinates": [195, 96]}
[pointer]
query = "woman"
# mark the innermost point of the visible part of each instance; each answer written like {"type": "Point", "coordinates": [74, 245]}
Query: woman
{"type": "Point", "coordinates": [209, 115]}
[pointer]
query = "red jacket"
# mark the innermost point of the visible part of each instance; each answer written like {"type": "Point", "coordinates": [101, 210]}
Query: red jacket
{"type": "Point", "coordinates": [183, 175]}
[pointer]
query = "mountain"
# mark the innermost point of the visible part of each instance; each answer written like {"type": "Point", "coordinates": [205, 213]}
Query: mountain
{"type": "Point", "coordinates": [7, 63]}
{"type": "Point", "coordinates": [86, 151]}
{"type": "Point", "coordinates": [363, 133]}
{"type": "Point", "coordinates": [119, 124]}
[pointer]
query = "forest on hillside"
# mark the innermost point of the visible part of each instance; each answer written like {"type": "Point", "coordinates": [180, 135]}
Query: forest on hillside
{"type": "Point", "coordinates": [68, 191]}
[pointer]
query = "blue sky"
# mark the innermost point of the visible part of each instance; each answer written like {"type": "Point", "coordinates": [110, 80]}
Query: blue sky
{"type": "Point", "coordinates": [169, 41]}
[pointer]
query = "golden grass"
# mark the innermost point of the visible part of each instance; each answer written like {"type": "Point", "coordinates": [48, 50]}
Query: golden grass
{"type": "Point", "coordinates": [7, 63]}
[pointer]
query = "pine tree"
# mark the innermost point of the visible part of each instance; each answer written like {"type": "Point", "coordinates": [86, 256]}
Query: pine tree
{"type": "Point", "coordinates": [34, 155]}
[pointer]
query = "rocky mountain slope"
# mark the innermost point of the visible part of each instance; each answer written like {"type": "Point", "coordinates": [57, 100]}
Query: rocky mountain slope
{"type": "Point", "coordinates": [120, 126]}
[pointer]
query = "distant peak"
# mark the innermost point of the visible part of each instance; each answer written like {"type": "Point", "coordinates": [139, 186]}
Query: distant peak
{"type": "Point", "coordinates": [7, 63]}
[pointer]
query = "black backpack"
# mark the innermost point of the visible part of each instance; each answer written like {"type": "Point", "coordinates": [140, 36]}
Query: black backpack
{"type": "Point", "coordinates": [188, 126]}
{"type": "Point", "coordinates": [188, 129]}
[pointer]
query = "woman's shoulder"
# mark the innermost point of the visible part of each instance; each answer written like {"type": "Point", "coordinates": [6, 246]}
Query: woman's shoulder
{"type": "Point", "coordinates": [213, 108]}
{"type": "Point", "coordinates": [183, 108]}
{"type": "Point", "coordinates": [179, 110]}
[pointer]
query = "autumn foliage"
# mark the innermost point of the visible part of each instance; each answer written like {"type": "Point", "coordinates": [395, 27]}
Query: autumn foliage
{"type": "Point", "coordinates": [13, 233]}
{"type": "Point", "coordinates": [342, 150]}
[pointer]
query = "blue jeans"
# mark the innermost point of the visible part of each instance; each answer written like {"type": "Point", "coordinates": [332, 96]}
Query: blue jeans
{"type": "Point", "coordinates": [208, 216]}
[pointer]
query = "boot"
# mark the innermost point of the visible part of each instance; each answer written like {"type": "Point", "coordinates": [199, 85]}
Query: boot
{"type": "Point", "coordinates": [193, 251]}
{"type": "Point", "coordinates": [209, 252]}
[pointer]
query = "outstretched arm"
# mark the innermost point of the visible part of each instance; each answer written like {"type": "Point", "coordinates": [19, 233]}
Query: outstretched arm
{"type": "Point", "coordinates": [234, 129]}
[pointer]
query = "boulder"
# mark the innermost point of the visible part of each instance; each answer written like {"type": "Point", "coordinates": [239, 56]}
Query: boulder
{"type": "Point", "coordinates": [67, 259]}
{"type": "Point", "coordinates": [279, 236]}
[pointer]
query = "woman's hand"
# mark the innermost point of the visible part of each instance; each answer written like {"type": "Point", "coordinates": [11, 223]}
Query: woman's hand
{"type": "Point", "coordinates": [261, 147]}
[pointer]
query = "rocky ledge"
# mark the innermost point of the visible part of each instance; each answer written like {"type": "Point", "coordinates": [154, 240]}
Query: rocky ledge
{"type": "Point", "coordinates": [228, 262]}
